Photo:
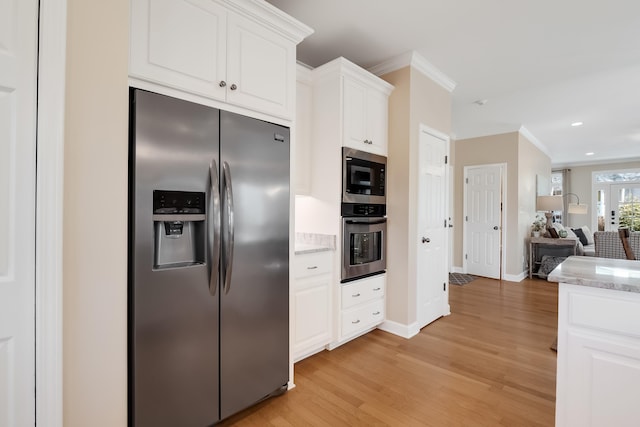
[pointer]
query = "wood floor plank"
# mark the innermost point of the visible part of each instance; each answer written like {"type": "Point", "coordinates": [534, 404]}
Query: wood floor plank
{"type": "Point", "coordinates": [487, 364]}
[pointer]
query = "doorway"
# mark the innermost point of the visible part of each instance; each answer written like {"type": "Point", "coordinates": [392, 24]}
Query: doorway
{"type": "Point", "coordinates": [483, 220]}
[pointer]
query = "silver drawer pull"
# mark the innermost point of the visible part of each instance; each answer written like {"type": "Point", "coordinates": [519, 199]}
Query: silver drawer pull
{"type": "Point", "coordinates": [376, 313]}
{"type": "Point", "coordinates": [377, 289]}
{"type": "Point", "coordinates": [312, 268]}
{"type": "Point", "coordinates": [355, 322]}
{"type": "Point", "coordinates": [356, 295]}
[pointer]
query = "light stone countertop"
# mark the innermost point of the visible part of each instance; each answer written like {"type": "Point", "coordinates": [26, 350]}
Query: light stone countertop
{"type": "Point", "coordinates": [307, 243]}
{"type": "Point", "coordinates": [606, 273]}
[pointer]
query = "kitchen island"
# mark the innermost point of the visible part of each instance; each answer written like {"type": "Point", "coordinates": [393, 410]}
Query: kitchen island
{"type": "Point", "coordinates": [598, 370]}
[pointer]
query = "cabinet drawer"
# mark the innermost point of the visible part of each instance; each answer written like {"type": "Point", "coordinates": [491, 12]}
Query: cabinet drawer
{"type": "Point", "coordinates": [362, 291]}
{"type": "Point", "coordinates": [362, 318]}
{"type": "Point", "coordinates": [605, 313]}
{"type": "Point", "coordinates": [312, 264]}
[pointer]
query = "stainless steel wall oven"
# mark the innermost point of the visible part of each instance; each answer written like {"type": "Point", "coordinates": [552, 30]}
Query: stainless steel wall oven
{"type": "Point", "coordinates": [364, 247]}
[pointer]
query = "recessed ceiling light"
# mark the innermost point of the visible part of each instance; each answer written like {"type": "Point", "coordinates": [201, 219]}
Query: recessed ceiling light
{"type": "Point", "coordinates": [590, 153]}
{"type": "Point", "coordinates": [576, 124]}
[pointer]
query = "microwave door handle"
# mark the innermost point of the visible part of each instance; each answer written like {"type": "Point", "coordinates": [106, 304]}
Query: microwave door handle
{"type": "Point", "coordinates": [355, 221]}
{"type": "Point", "coordinates": [214, 218]}
{"type": "Point", "coordinates": [228, 191]}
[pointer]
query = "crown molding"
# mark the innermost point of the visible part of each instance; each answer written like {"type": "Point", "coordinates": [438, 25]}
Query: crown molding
{"type": "Point", "coordinates": [535, 141]}
{"type": "Point", "coordinates": [271, 17]}
{"type": "Point", "coordinates": [417, 61]}
{"type": "Point", "coordinates": [343, 66]}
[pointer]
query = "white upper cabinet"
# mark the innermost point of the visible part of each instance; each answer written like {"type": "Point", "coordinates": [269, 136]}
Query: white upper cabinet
{"type": "Point", "coordinates": [365, 117]}
{"type": "Point", "coordinates": [240, 52]}
{"type": "Point", "coordinates": [361, 97]}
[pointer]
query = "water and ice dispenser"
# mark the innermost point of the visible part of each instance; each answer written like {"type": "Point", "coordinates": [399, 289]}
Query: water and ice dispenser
{"type": "Point", "coordinates": [179, 228]}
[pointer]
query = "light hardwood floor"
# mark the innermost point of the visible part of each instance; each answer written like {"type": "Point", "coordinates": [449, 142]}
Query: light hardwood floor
{"type": "Point", "coordinates": [487, 364]}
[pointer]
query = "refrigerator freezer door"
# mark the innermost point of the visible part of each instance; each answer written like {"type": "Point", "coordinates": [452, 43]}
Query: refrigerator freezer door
{"type": "Point", "coordinates": [174, 339]}
{"type": "Point", "coordinates": [254, 314]}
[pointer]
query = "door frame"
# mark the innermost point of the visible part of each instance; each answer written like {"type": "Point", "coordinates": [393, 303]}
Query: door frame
{"type": "Point", "coordinates": [503, 214]}
{"type": "Point", "coordinates": [52, 39]}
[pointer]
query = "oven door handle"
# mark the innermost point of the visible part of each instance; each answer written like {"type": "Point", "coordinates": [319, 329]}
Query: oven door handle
{"type": "Point", "coordinates": [366, 221]}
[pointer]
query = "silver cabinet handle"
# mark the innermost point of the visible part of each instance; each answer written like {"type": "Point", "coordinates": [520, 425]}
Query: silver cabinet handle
{"type": "Point", "coordinates": [214, 236]}
{"type": "Point", "coordinates": [312, 268]}
{"type": "Point", "coordinates": [376, 289]}
{"type": "Point", "coordinates": [377, 313]}
{"type": "Point", "coordinates": [356, 295]}
{"type": "Point", "coordinates": [230, 226]}
{"type": "Point", "coordinates": [355, 322]}
{"type": "Point", "coordinates": [222, 83]}
{"type": "Point", "coordinates": [234, 87]}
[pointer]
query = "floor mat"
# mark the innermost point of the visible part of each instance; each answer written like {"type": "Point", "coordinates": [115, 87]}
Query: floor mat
{"type": "Point", "coordinates": [461, 279]}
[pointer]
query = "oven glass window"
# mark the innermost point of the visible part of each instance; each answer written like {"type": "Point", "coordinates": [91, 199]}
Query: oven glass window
{"type": "Point", "coordinates": [365, 247]}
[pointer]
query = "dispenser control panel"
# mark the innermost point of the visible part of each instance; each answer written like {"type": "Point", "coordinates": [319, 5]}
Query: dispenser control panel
{"type": "Point", "coordinates": [178, 202]}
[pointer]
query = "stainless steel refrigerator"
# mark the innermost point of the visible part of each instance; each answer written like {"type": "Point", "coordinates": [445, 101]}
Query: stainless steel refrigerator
{"type": "Point", "coordinates": [208, 262]}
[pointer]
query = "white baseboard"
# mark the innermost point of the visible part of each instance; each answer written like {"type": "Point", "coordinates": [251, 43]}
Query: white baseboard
{"type": "Point", "coordinates": [399, 329]}
{"type": "Point", "coordinates": [456, 269]}
{"type": "Point", "coordinates": [515, 278]}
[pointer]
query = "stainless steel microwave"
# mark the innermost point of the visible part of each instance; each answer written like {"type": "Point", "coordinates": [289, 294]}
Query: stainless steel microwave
{"type": "Point", "coordinates": [363, 177]}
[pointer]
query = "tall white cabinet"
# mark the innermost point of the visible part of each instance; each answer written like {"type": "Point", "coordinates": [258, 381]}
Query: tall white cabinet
{"type": "Point", "coordinates": [348, 108]}
{"type": "Point", "coordinates": [239, 52]}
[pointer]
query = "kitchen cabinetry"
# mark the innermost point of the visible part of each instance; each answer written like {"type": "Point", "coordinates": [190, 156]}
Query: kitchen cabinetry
{"type": "Point", "coordinates": [362, 307]}
{"type": "Point", "coordinates": [365, 117]}
{"type": "Point", "coordinates": [239, 52]}
{"type": "Point", "coordinates": [598, 376]}
{"type": "Point", "coordinates": [312, 303]}
{"type": "Point", "coordinates": [361, 100]}
{"type": "Point", "coordinates": [303, 163]}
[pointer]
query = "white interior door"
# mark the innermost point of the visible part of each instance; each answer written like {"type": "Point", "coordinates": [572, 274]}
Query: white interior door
{"type": "Point", "coordinates": [483, 220]}
{"type": "Point", "coordinates": [18, 52]}
{"type": "Point", "coordinates": [625, 207]}
{"type": "Point", "coordinates": [432, 239]}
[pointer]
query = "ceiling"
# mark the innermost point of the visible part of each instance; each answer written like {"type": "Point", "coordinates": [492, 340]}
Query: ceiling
{"type": "Point", "coordinates": [541, 65]}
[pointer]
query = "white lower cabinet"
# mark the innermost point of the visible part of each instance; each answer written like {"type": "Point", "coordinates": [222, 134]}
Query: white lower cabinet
{"type": "Point", "coordinates": [598, 377]}
{"type": "Point", "coordinates": [312, 303]}
{"type": "Point", "coordinates": [362, 307]}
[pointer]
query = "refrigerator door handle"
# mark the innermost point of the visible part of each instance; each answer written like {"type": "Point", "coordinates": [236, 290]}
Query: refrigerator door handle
{"type": "Point", "coordinates": [228, 190]}
{"type": "Point", "coordinates": [214, 243]}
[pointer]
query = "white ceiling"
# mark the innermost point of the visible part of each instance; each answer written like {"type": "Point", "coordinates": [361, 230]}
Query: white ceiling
{"type": "Point", "coordinates": [539, 64]}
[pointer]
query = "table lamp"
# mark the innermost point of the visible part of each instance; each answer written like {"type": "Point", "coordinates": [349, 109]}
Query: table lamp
{"type": "Point", "coordinates": [548, 204]}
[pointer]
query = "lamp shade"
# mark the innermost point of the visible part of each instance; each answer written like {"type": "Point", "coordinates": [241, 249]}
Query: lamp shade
{"type": "Point", "coordinates": [577, 209]}
{"type": "Point", "coordinates": [549, 203]}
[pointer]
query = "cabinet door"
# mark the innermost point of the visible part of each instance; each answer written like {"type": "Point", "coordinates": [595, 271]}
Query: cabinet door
{"type": "Point", "coordinates": [355, 115]}
{"type": "Point", "coordinates": [179, 43]}
{"type": "Point", "coordinates": [303, 138]}
{"type": "Point", "coordinates": [377, 121]}
{"type": "Point", "coordinates": [600, 377]}
{"type": "Point", "coordinates": [312, 327]}
{"type": "Point", "coordinates": [260, 68]}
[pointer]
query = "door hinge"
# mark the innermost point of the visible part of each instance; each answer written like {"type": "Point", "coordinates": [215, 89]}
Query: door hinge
{"type": "Point", "coordinates": [445, 223]}
{"type": "Point", "coordinates": [466, 180]}
{"type": "Point", "coordinates": [466, 256]}
{"type": "Point", "coordinates": [446, 159]}
{"type": "Point", "coordinates": [466, 218]}
{"type": "Point", "coordinates": [444, 286]}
